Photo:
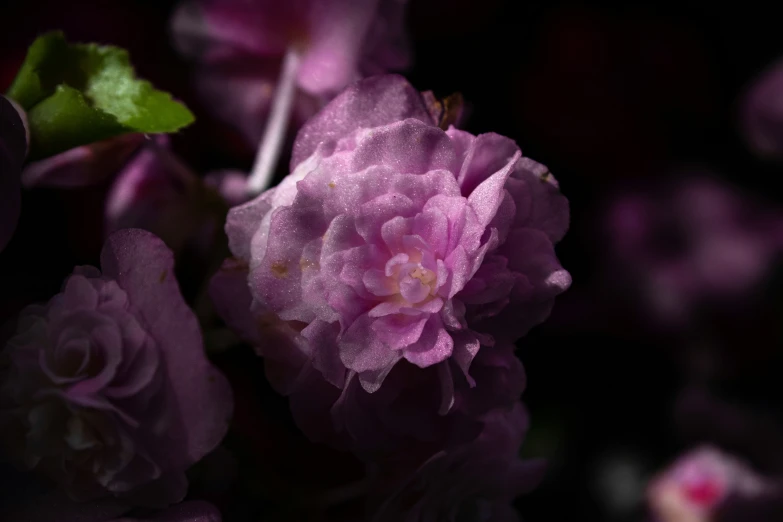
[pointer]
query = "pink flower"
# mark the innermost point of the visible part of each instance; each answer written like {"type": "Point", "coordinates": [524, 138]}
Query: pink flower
{"type": "Point", "coordinates": [107, 389]}
{"type": "Point", "coordinates": [393, 239]}
{"type": "Point", "coordinates": [241, 45]}
{"type": "Point", "coordinates": [13, 149]}
{"type": "Point", "coordinates": [694, 487]}
{"type": "Point", "coordinates": [477, 481]}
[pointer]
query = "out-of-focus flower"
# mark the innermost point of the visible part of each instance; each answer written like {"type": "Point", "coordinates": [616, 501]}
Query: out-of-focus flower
{"type": "Point", "coordinates": [157, 192]}
{"type": "Point", "coordinates": [741, 482]}
{"type": "Point", "coordinates": [106, 389]}
{"type": "Point", "coordinates": [393, 239]}
{"type": "Point", "coordinates": [694, 487]}
{"type": "Point", "coordinates": [690, 242]}
{"type": "Point", "coordinates": [149, 188]}
{"type": "Point", "coordinates": [477, 481]}
{"type": "Point", "coordinates": [411, 407]}
{"type": "Point", "coordinates": [82, 166]}
{"type": "Point", "coordinates": [13, 149]}
{"type": "Point", "coordinates": [762, 113]}
{"type": "Point", "coordinates": [241, 44]}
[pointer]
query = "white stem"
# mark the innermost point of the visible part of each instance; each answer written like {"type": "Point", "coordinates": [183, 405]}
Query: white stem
{"type": "Point", "coordinates": [276, 126]}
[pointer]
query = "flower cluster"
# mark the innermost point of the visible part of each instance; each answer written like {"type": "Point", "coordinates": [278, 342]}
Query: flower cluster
{"type": "Point", "coordinates": [383, 283]}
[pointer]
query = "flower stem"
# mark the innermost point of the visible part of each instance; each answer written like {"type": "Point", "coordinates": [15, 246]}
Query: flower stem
{"type": "Point", "coordinates": [276, 126]}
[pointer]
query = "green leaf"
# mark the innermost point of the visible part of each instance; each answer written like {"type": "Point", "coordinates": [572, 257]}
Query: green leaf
{"type": "Point", "coordinates": [76, 94]}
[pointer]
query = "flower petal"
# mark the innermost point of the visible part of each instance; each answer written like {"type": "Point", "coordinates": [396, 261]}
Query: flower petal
{"type": "Point", "coordinates": [369, 103]}
{"type": "Point", "coordinates": [144, 267]}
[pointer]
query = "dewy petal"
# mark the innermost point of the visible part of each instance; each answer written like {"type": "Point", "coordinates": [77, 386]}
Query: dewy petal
{"type": "Point", "coordinates": [144, 267]}
{"type": "Point", "coordinates": [326, 357]}
{"type": "Point", "coordinates": [13, 149]}
{"type": "Point", "coordinates": [398, 331]}
{"type": "Point", "coordinates": [486, 198]}
{"type": "Point", "coordinates": [413, 290]}
{"type": "Point", "coordinates": [539, 202]}
{"type": "Point", "coordinates": [488, 154]}
{"type": "Point", "coordinates": [276, 280]}
{"type": "Point", "coordinates": [361, 351]}
{"type": "Point", "coordinates": [434, 345]}
{"type": "Point", "coordinates": [378, 283]}
{"type": "Point", "coordinates": [371, 380]}
{"type": "Point", "coordinates": [391, 145]}
{"type": "Point", "coordinates": [368, 103]}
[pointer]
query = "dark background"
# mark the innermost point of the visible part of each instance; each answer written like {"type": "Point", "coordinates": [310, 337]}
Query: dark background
{"type": "Point", "coordinates": [603, 94]}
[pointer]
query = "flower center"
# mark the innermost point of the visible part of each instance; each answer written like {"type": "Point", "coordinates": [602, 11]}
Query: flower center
{"type": "Point", "coordinates": [427, 277]}
{"type": "Point", "coordinates": [702, 491]}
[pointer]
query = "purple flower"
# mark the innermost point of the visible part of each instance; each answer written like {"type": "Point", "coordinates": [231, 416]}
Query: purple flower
{"type": "Point", "coordinates": [477, 481]}
{"type": "Point", "coordinates": [430, 408]}
{"type": "Point", "coordinates": [762, 112]}
{"type": "Point", "coordinates": [689, 242]}
{"type": "Point", "coordinates": [241, 45]}
{"type": "Point", "coordinates": [13, 149]}
{"type": "Point", "coordinates": [107, 389]}
{"type": "Point", "coordinates": [393, 239]}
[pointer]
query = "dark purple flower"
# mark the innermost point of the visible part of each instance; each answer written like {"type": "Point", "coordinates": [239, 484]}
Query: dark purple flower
{"type": "Point", "coordinates": [107, 390]}
{"type": "Point", "coordinates": [157, 192]}
{"type": "Point", "coordinates": [13, 149]}
{"type": "Point", "coordinates": [429, 407]}
{"type": "Point", "coordinates": [477, 481]}
{"type": "Point", "coordinates": [83, 166]}
{"type": "Point", "coordinates": [688, 242]}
